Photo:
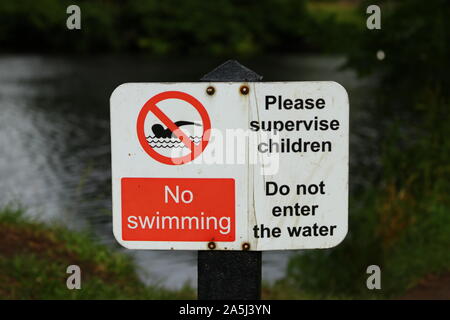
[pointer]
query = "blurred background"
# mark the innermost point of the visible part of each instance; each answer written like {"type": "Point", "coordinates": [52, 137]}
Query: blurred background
{"type": "Point", "coordinates": [55, 188]}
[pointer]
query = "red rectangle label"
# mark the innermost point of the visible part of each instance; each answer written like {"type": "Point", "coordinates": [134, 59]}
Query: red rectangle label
{"type": "Point", "coordinates": [178, 209]}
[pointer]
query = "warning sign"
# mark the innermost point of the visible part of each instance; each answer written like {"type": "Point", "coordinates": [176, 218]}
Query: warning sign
{"type": "Point", "coordinates": [245, 166]}
{"type": "Point", "coordinates": [165, 137]}
{"type": "Point", "coordinates": [179, 210]}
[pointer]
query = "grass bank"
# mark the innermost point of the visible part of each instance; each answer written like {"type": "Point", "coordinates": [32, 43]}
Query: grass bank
{"type": "Point", "coordinates": [34, 258]}
{"type": "Point", "coordinates": [400, 220]}
{"type": "Point", "coordinates": [401, 223]}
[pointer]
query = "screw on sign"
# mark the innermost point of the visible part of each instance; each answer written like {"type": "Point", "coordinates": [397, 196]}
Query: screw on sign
{"type": "Point", "coordinates": [173, 136]}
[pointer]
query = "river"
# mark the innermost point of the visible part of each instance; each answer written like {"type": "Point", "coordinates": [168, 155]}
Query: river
{"type": "Point", "coordinates": [55, 141]}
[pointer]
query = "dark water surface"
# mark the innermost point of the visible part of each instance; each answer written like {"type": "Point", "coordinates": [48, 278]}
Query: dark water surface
{"type": "Point", "coordinates": [55, 142]}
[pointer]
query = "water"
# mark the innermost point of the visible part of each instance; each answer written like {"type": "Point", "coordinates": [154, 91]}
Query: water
{"type": "Point", "coordinates": [55, 143]}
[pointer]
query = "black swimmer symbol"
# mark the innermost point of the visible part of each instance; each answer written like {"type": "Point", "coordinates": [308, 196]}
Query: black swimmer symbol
{"type": "Point", "coordinates": [160, 132]}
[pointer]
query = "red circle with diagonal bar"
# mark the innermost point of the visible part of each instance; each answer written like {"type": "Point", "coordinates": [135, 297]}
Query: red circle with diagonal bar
{"type": "Point", "coordinates": [150, 106]}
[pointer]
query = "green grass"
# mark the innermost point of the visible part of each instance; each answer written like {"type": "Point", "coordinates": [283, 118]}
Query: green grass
{"type": "Point", "coordinates": [34, 258]}
{"type": "Point", "coordinates": [401, 223]}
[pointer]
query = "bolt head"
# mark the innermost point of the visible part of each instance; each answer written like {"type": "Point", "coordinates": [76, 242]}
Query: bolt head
{"type": "Point", "coordinates": [210, 90]}
{"type": "Point", "coordinates": [211, 245]}
{"type": "Point", "coordinates": [245, 90]}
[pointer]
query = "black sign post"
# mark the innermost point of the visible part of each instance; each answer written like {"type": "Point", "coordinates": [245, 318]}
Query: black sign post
{"type": "Point", "coordinates": [229, 275]}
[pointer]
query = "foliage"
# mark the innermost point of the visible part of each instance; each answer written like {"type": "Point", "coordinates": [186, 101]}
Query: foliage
{"type": "Point", "coordinates": [160, 27]}
{"type": "Point", "coordinates": [175, 27]}
{"type": "Point", "coordinates": [402, 222]}
{"type": "Point", "coordinates": [334, 25]}
{"type": "Point", "coordinates": [34, 258]}
{"type": "Point", "coordinates": [414, 38]}
{"type": "Point", "coordinates": [402, 225]}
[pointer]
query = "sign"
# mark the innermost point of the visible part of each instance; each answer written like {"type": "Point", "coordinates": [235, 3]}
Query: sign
{"type": "Point", "coordinates": [173, 128]}
{"type": "Point", "coordinates": [183, 218]}
{"type": "Point", "coordinates": [230, 166]}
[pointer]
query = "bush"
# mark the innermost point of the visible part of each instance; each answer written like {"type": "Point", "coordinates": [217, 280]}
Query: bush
{"type": "Point", "coordinates": [401, 222]}
{"type": "Point", "coordinates": [173, 27]}
{"type": "Point", "coordinates": [34, 258]}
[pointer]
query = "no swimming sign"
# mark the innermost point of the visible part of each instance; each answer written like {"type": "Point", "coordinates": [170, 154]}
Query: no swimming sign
{"type": "Point", "coordinates": [230, 166]}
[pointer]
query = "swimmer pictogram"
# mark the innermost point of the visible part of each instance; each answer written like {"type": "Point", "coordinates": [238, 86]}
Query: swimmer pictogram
{"type": "Point", "coordinates": [160, 132]}
{"type": "Point", "coordinates": [164, 138]}
{"type": "Point", "coordinates": [167, 133]}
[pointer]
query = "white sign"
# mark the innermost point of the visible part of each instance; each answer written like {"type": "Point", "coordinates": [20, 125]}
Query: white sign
{"type": "Point", "coordinates": [230, 166]}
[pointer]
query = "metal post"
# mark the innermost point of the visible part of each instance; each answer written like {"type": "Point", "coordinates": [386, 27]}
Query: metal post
{"type": "Point", "coordinates": [232, 275]}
